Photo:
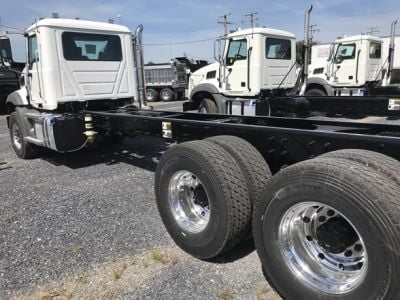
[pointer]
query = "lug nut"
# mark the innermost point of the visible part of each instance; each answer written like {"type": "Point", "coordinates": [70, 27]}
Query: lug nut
{"type": "Point", "coordinates": [309, 238]}
{"type": "Point", "coordinates": [348, 253]}
{"type": "Point", "coordinates": [306, 220]}
{"type": "Point", "coordinates": [321, 256]}
{"type": "Point", "coordinates": [321, 219]}
{"type": "Point", "coordinates": [358, 247]}
{"type": "Point", "coordinates": [330, 213]}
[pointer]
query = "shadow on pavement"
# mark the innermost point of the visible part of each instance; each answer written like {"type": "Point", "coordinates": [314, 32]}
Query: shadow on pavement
{"type": "Point", "coordinates": [143, 152]}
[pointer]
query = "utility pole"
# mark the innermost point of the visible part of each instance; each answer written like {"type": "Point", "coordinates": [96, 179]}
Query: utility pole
{"type": "Point", "coordinates": [225, 22]}
{"type": "Point", "coordinates": [251, 17]}
{"type": "Point", "coordinates": [312, 31]}
{"type": "Point", "coordinates": [372, 30]}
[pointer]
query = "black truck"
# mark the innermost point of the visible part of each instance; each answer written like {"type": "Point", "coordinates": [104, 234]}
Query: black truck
{"type": "Point", "coordinates": [9, 71]}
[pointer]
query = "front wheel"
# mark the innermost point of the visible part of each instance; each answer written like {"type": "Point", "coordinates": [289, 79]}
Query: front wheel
{"type": "Point", "coordinates": [22, 148]}
{"type": "Point", "coordinates": [208, 106]}
{"type": "Point", "coordinates": [315, 92]}
{"type": "Point", "coordinates": [328, 229]}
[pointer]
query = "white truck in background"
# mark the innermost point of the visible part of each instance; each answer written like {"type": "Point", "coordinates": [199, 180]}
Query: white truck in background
{"type": "Point", "coordinates": [255, 62]}
{"type": "Point", "coordinates": [356, 65]}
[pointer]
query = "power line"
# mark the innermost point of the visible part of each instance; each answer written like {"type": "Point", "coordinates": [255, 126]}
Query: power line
{"type": "Point", "coordinates": [9, 27]}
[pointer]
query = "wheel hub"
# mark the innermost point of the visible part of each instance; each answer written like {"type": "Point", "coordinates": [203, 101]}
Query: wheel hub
{"type": "Point", "coordinates": [336, 235]}
{"type": "Point", "coordinates": [323, 248]}
{"type": "Point", "coordinates": [188, 200]}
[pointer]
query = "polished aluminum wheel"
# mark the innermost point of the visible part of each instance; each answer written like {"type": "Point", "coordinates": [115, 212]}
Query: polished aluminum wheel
{"type": "Point", "coordinates": [188, 200]}
{"type": "Point", "coordinates": [17, 136]}
{"type": "Point", "coordinates": [322, 248]}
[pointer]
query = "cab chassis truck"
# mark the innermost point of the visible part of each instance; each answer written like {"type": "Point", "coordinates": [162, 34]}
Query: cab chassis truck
{"type": "Point", "coordinates": [321, 198]}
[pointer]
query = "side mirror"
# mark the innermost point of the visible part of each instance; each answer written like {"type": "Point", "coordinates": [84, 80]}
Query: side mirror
{"type": "Point", "coordinates": [217, 50]}
{"type": "Point", "coordinates": [339, 59]}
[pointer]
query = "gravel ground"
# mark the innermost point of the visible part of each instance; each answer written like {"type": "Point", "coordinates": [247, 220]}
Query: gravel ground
{"type": "Point", "coordinates": [85, 225]}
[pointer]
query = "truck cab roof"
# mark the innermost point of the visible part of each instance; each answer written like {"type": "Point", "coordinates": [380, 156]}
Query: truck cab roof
{"type": "Point", "coordinates": [261, 30]}
{"type": "Point", "coordinates": [78, 24]}
{"type": "Point", "coordinates": [359, 37]}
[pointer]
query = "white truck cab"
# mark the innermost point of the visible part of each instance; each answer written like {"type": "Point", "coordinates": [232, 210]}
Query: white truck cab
{"type": "Point", "coordinates": [67, 64]}
{"type": "Point", "coordinates": [72, 65]}
{"type": "Point", "coordinates": [352, 63]}
{"type": "Point", "coordinates": [255, 62]}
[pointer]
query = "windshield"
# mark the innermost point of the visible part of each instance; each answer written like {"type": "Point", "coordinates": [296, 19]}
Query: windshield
{"type": "Point", "coordinates": [345, 51]}
{"type": "Point", "coordinates": [5, 49]}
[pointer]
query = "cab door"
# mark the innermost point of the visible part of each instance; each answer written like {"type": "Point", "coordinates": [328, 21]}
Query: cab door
{"type": "Point", "coordinates": [236, 66]}
{"type": "Point", "coordinates": [34, 71]}
{"type": "Point", "coordinates": [345, 65]}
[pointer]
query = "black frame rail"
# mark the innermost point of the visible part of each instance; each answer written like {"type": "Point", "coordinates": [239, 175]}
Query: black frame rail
{"type": "Point", "coordinates": [282, 141]}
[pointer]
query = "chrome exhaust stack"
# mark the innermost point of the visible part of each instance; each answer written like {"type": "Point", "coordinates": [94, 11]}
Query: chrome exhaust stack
{"type": "Point", "coordinates": [139, 67]}
{"type": "Point", "coordinates": [306, 47]}
{"type": "Point", "coordinates": [388, 77]}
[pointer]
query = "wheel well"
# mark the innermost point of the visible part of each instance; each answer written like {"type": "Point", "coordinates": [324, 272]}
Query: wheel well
{"type": "Point", "coordinates": [317, 86]}
{"type": "Point", "coordinates": [200, 96]}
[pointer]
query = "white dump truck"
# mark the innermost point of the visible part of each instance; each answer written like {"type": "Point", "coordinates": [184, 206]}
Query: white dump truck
{"type": "Point", "coordinates": [165, 81]}
{"type": "Point", "coordinates": [321, 197]}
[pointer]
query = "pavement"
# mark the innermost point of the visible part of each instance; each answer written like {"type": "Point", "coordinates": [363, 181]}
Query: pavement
{"type": "Point", "coordinates": [85, 225]}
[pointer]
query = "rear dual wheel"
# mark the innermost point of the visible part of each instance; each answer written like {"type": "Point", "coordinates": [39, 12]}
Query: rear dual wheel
{"type": "Point", "coordinates": [328, 228]}
{"type": "Point", "coordinates": [205, 192]}
{"type": "Point", "coordinates": [202, 198]}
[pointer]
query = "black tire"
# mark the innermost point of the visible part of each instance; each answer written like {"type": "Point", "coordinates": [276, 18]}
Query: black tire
{"type": "Point", "coordinates": [364, 196]}
{"type": "Point", "coordinates": [22, 148]}
{"type": "Point", "coordinates": [377, 161]}
{"type": "Point", "coordinates": [113, 139]}
{"type": "Point", "coordinates": [250, 160]}
{"type": "Point", "coordinates": [225, 187]}
{"type": "Point", "coordinates": [315, 92]}
{"type": "Point", "coordinates": [208, 106]}
{"type": "Point", "coordinates": [151, 95]}
{"type": "Point", "coordinates": [166, 94]}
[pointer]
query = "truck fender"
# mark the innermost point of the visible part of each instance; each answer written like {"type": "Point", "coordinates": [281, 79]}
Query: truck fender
{"type": "Point", "coordinates": [211, 89]}
{"type": "Point", "coordinates": [17, 98]}
{"type": "Point", "coordinates": [321, 82]}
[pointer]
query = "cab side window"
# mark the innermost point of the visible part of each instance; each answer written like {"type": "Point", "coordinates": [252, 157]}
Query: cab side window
{"type": "Point", "coordinates": [237, 50]}
{"type": "Point", "coordinates": [32, 50]}
{"type": "Point", "coordinates": [375, 50]}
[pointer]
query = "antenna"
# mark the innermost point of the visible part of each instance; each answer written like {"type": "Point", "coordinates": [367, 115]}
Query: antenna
{"type": "Point", "coordinates": [225, 22]}
{"type": "Point", "coordinates": [251, 18]}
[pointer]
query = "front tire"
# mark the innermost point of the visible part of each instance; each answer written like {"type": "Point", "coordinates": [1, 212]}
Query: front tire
{"type": "Point", "coordinates": [315, 92]}
{"type": "Point", "coordinates": [22, 148]}
{"type": "Point", "coordinates": [208, 106]}
{"type": "Point", "coordinates": [202, 198]}
{"type": "Point", "coordinates": [325, 231]}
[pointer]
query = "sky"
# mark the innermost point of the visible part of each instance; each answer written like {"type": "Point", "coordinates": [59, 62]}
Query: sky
{"type": "Point", "coordinates": [173, 22]}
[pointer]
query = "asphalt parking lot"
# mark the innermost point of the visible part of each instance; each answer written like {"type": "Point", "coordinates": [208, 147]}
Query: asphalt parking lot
{"type": "Point", "coordinates": [85, 225]}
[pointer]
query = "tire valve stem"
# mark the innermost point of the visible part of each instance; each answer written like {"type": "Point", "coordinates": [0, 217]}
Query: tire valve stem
{"type": "Point", "coordinates": [89, 132]}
